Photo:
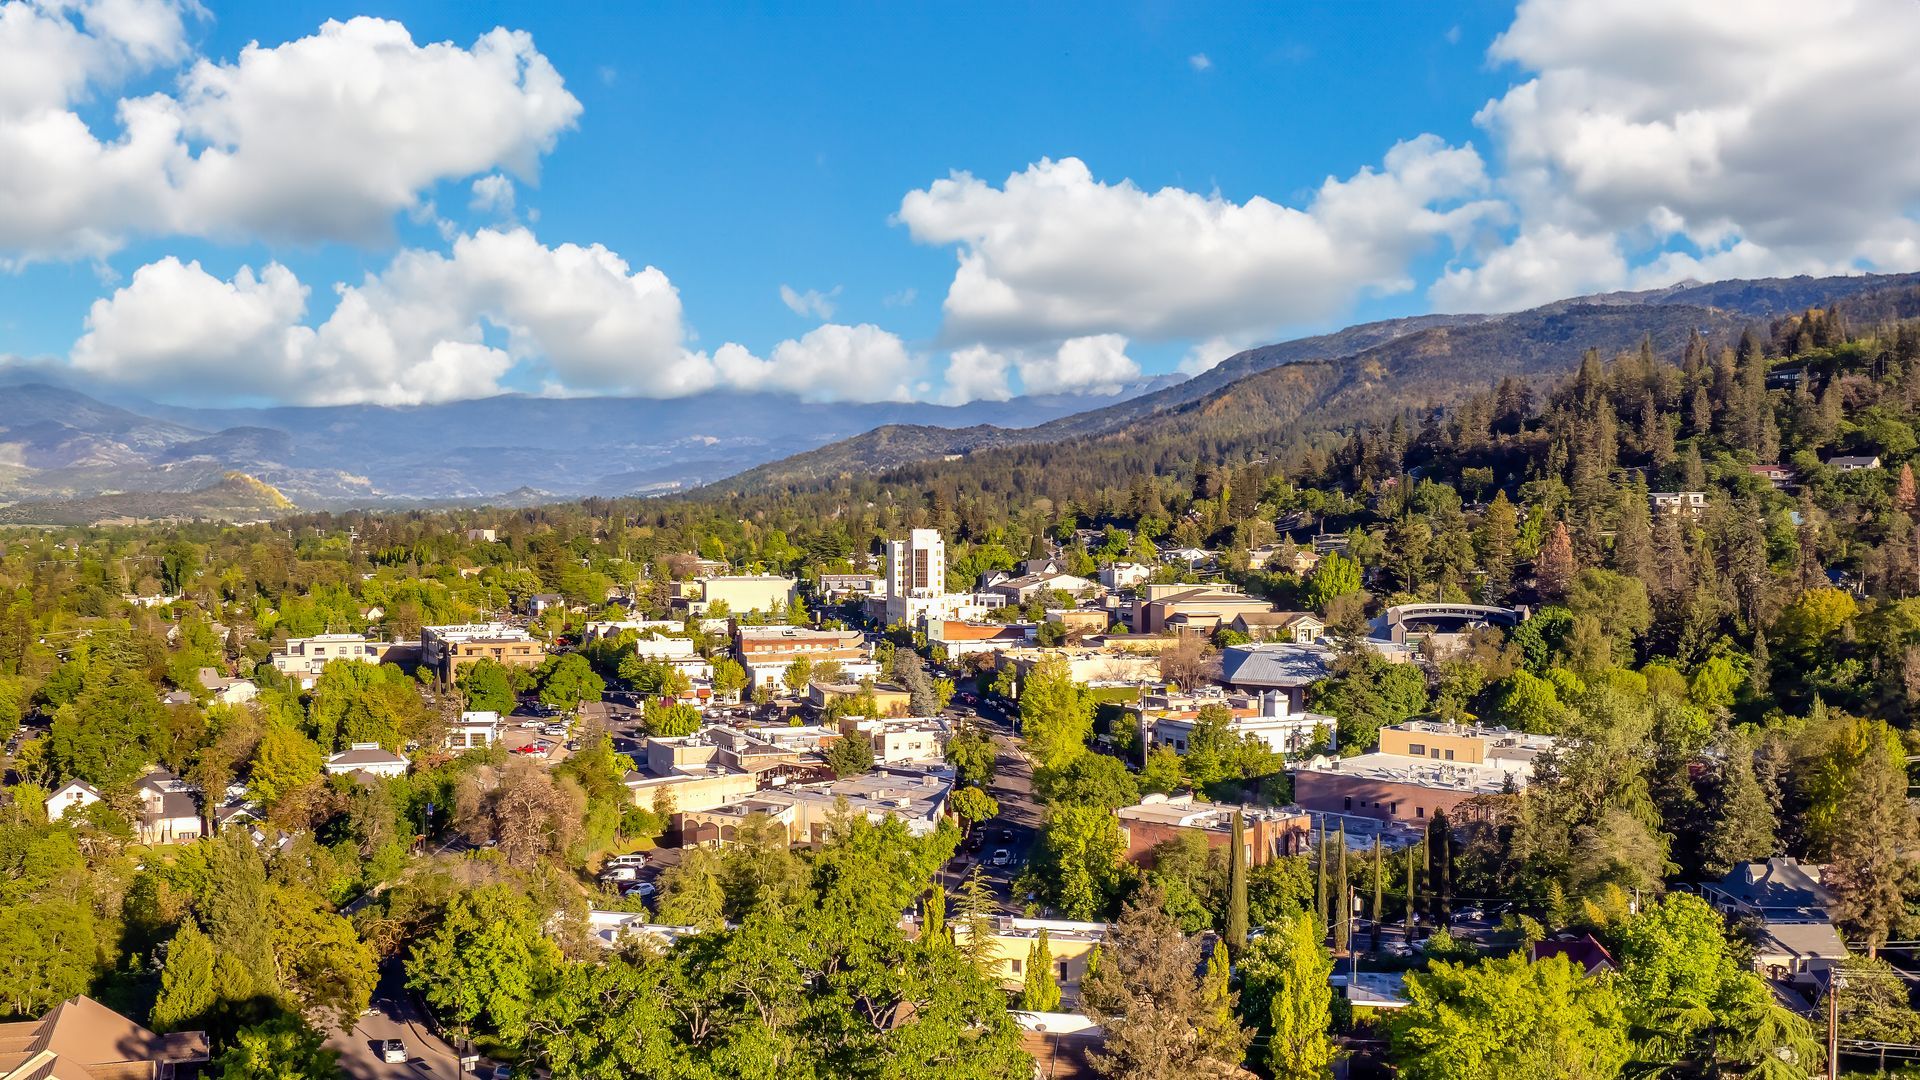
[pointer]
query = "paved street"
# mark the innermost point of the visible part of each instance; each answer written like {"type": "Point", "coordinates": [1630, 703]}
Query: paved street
{"type": "Point", "coordinates": [395, 1016]}
{"type": "Point", "coordinates": [1018, 823]}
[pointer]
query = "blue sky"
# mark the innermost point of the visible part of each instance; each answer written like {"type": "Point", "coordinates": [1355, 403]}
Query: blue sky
{"type": "Point", "coordinates": [739, 149]}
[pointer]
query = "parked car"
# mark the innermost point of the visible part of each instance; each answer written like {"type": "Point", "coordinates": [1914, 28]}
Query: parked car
{"type": "Point", "coordinates": [641, 889]}
{"type": "Point", "coordinates": [533, 722]}
{"type": "Point", "coordinates": [634, 859]}
{"type": "Point", "coordinates": [393, 1052]}
{"type": "Point", "coordinates": [620, 873]}
{"type": "Point", "coordinates": [1000, 857]}
{"type": "Point", "coordinates": [530, 748]}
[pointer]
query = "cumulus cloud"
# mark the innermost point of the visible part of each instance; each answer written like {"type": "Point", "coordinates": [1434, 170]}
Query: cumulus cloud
{"type": "Point", "coordinates": [977, 373]}
{"type": "Point", "coordinates": [493, 194]}
{"type": "Point", "coordinates": [1207, 354]}
{"type": "Point", "coordinates": [1694, 138]}
{"type": "Point", "coordinates": [1199, 62]}
{"type": "Point", "coordinates": [420, 331]}
{"type": "Point", "coordinates": [1097, 364]}
{"type": "Point", "coordinates": [322, 138]}
{"type": "Point", "coordinates": [1054, 254]}
{"type": "Point", "coordinates": [812, 302]}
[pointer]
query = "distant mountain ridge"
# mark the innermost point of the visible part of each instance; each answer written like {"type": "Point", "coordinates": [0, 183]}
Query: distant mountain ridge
{"type": "Point", "coordinates": [1342, 378]}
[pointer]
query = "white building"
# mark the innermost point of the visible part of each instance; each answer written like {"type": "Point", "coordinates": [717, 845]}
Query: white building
{"type": "Point", "coordinates": [1124, 575]}
{"type": "Point", "coordinates": [473, 731]}
{"type": "Point", "coordinates": [916, 570]}
{"type": "Point", "coordinates": [70, 796]}
{"type": "Point", "coordinates": [906, 740]}
{"type": "Point", "coordinates": [1170, 719]}
{"type": "Point", "coordinates": [302, 658]}
{"type": "Point", "coordinates": [368, 758]}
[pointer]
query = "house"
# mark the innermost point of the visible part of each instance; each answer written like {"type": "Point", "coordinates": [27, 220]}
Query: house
{"type": "Point", "coordinates": [169, 809]}
{"type": "Point", "coordinates": [1270, 832]}
{"type": "Point", "coordinates": [483, 536]}
{"type": "Point", "coordinates": [1204, 608]}
{"type": "Point", "coordinates": [1169, 720]}
{"type": "Point", "coordinates": [225, 689]}
{"type": "Point", "coordinates": [367, 760]}
{"type": "Point", "coordinates": [1674, 502]}
{"type": "Point", "coordinates": [1191, 558]}
{"type": "Point", "coordinates": [447, 649]}
{"type": "Point", "coordinates": [1299, 627]}
{"type": "Point", "coordinates": [1853, 464]}
{"type": "Point", "coordinates": [70, 796]}
{"type": "Point", "coordinates": [81, 1039]}
{"type": "Point", "coordinates": [1586, 954]}
{"type": "Point", "coordinates": [1283, 666]}
{"type": "Point", "coordinates": [1421, 768]}
{"type": "Point", "coordinates": [1124, 575]}
{"type": "Point", "coordinates": [1063, 1046]}
{"type": "Point", "coordinates": [1779, 476]}
{"type": "Point", "coordinates": [596, 629]}
{"type": "Point", "coordinates": [1069, 943]}
{"type": "Point", "coordinates": [903, 740]}
{"type": "Point", "coordinates": [1275, 557]}
{"type": "Point", "coordinates": [540, 603]}
{"type": "Point", "coordinates": [891, 700]}
{"type": "Point", "coordinates": [474, 731]}
{"type": "Point", "coordinates": [1776, 890]}
{"type": "Point", "coordinates": [1797, 952]}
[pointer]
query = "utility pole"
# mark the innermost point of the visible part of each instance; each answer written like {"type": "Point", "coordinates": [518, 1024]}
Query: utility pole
{"type": "Point", "coordinates": [1833, 1025]}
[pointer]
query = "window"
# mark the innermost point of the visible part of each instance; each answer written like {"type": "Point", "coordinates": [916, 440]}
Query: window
{"type": "Point", "coordinates": [1449, 755]}
{"type": "Point", "coordinates": [1349, 802]}
{"type": "Point", "coordinates": [1417, 749]}
{"type": "Point", "coordinates": [1016, 964]}
{"type": "Point", "coordinates": [1436, 754]}
{"type": "Point", "coordinates": [1419, 811]}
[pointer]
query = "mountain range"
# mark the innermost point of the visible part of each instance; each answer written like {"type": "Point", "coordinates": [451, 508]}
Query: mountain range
{"type": "Point", "coordinates": [72, 453]}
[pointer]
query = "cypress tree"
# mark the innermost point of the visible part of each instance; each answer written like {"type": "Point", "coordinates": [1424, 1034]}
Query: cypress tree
{"type": "Point", "coordinates": [1343, 904]}
{"type": "Point", "coordinates": [1379, 880]}
{"type": "Point", "coordinates": [1320, 884]}
{"type": "Point", "coordinates": [1237, 887]}
{"type": "Point", "coordinates": [1039, 990]}
{"type": "Point", "coordinates": [186, 982]}
{"type": "Point", "coordinates": [1413, 892]}
{"type": "Point", "coordinates": [934, 924]}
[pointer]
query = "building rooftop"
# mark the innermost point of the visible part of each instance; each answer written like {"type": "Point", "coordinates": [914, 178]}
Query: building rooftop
{"type": "Point", "coordinates": [1275, 664]}
{"type": "Point", "coordinates": [1489, 779]}
{"type": "Point", "coordinates": [1188, 812]}
{"type": "Point", "coordinates": [493, 631]}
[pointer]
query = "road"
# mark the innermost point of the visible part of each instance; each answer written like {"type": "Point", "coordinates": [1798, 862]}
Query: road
{"type": "Point", "coordinates": [395, 1016]}
{"type": "Point", "coordinates": [1015, 828]}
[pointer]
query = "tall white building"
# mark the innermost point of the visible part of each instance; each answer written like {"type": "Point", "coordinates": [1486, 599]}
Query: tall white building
{"type": "Point", "coordinates": [917, 566]}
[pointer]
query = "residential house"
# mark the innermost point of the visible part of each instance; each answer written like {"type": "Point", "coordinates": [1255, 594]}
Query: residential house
{"type": "Point", "coordinates": [540, 603]}
{"type": "Point", "coordinates": [168, 809]}
{"type": "Point", "coordinates": [1169, 719]}
{"type": "Point", "coordinates": [1585, 953]}
{"type": "Point", "coordinates": [70, 796]}
{"type": "Point", "coordinates": [474, 731]}
{"type": "Point", "coordinates": [447, 649]}
{"type": "Point", "coordinates": [1283, 666]}
{"type": "Point", "coordinates": [1203, 608]}
{"type": "Point", "coordinates": [1299, 627]}
{"type": "Point", "coordinates": [1421, 768]}
{"type": "Point", "coordinates": [225, 689]}
{"type": "Point", "coordinates": [1796, 939]}
{"type": "Point", "coordinates": [1848, 463]}
{"type": "Point", "coordinates": [1023, 589]}
{"type": "Point", "coordinates": [1124, 575]}
{"type": "Point", "coordinates": [81, 1039]}
{"type": "Point", "coordinates": [1069, 943]}
{"type": "Point", "coordinates": [1270, 832]}
{"type": "Point", "coordinates": [1191, 558]}
{"type": "Point", "coordinates": [1779, 476]}
{"type": "Point", "coordinates": [482, 536]}
{"type": "Point", "coordinates": [1674, 502]}
{"type": "Point", "coordinates": [1274, 557]}
{"type": "Point", "coordinates": [302, 659]}
{"type": "Point", "coordinates": [367, 760]}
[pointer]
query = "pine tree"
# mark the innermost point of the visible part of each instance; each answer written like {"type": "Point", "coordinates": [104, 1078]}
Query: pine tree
{"type": "Point", "coordinates": [1237, 887]}
{"type": "Point", "coordinates": [186, 982]}
{"type": "Point", "coordinates": [977, 911]}
{"type": "Point", "coordinates": [1553, 571]}
{"type": "Point", "coordinates": [1496, 549]}
{"type": "Point", "coordinates": [1040, 990]}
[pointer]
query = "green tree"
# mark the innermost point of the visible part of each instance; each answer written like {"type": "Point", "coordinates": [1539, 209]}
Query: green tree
{"type": "Point", "coordinates": [1040, 990]}
{"type": "Point", "coordinates": [973, 806]}
{"type": "Point", "coordinates": [1333, 577]}
{"type": "Point", "coordinates": [1056, 716]}
{"type": "Point", "coordinates": [1861, 821]}
{"type": "Point", "coordinates": [186, 982]}
{"type": "Point", "coordinates": [1077, 866]}
{"type": "Point", "coordinates": [1088, 780]}
{"type": "Point", "coordinates": [282, 1048]}
{"type": "Point", "coordinates": [798, 675]}
{"type": "Point", "coordinates": [482, 965]}
{"type": "Point", "coordinates": [1507, 1018]}
{"type": "Point", "coordinates": [1162, 773]}
{"type": "Point", "coordinates": [672, 720]}
{"type": "Point", "coordinates": [568, 680]}
{"type": "Point", "coordinates": [488, 686]}
{"type": "Point", "coordinates": [1149, 997]}
{"type": "Point", "coordinates": [286, 760]}
{"type": "Point", "coordinates": [729, 678]}
{"type": "Point", "coordinates": [974, 756]}
{"type": "Point", "coordinates": [1237, 886]}
{"type": "Point", "coordinates": [1285, 990]}
{"type": "Point", "coordinates": [850, 755]}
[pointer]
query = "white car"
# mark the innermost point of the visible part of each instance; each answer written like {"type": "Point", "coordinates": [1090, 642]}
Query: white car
{"type": "Point", "coordinates": [641, 889]}
{"type": "Point", "coordinates": [1000, 857]}
{"type": "Point", "coordinates": [620, 873]}
{"type": "Point", "coordinates": [393, 1052]}
{"type": "Point", "coordinates": [635, 859]}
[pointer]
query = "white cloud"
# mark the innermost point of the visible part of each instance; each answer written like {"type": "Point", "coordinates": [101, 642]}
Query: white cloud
{"type": "Point", "coordinates": [812, 302]}
{"type": "Point", "coordinates": [1207, 354]}
{"type": "Point", "coordinates": [1199, 62]}
{"type": "Point", "coordinates": [903, 298]}
{"type": "Point", "coordinates": [322, 138]}
{"type": "Point", "coordinates": [828, 363]}
{"type": "Point", "coordinates": [1704, 138]}
{"type": "Point", "coordinates": [977, 373]}
{"type": "Point", "coordinates": [493, 194]}
{"type": "Point", "coordinates": [1541, 264]}
{"type": "Point", "coordinates": [1055, 254]}
{"type": "Point", "coordinates": [419, 331]}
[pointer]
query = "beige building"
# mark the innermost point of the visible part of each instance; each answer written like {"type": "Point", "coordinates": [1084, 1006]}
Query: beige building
{"type": "Point", "coordinates": [446, 649]}
{"type": "Point", "coordinates": [1068, 944]}
{"type": "Point", "coordinates": [1085, 665]}
{"type": "Point", "coordinates": [1421, 768]}
{"type": "Point", "coordinates": [757, 592]}
{"type": "Point", "coordinates": [1161, 608]}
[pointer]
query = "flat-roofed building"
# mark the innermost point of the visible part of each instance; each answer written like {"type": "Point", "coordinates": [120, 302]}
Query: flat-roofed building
{"type": "Point", "coordinates": [1069, 943]}
{"type": "Point", "coordinates": [1205, 608]}
{"type": "Point", "coordinates": [302, 658]}
{"type": "Point", "coordinates": [766, 651]}
{"type": "Point", "coordinates": [447, 649]}
{"type": "Point", "coordinates": [1421, 768]}
{"type": "Point", "coordinates": [966, 638]}
{"type": "Point", "coordinates": [1168, 719]}
{"type": "Point", "coordinates": [1270, 831]}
